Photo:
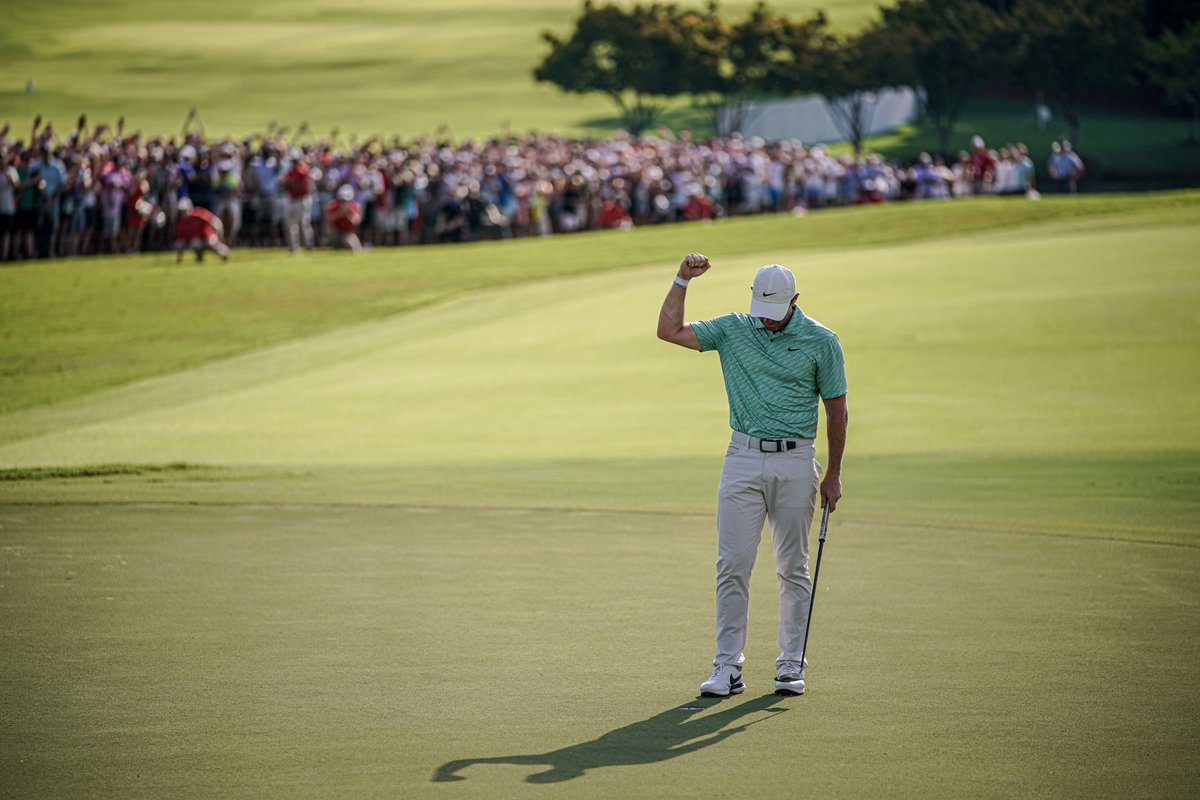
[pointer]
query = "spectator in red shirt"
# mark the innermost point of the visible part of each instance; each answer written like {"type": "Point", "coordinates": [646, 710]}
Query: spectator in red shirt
{"type": "Point", "coordinates": [697, 206]}
{"type": "Point", "coordinates": [200, 230]}
{"type": "Point", "coordinates": [299, 186]}
{"type": "Point", "coordinates": [344, 216]}
{"type": "Point", "coordinates": [614, 213]}
{"type": "Point", "coordinates": [981, 165]}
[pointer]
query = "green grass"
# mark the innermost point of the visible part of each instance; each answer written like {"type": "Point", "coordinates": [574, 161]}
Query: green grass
{"type": "Point", "coordinates": [471, 536]}
{"type": "Point", "coordinates": [68, 329]}
{"type": "Point", "coordinates": [319, 651]}
{"type": "Point", "coordinates": [374, 66]}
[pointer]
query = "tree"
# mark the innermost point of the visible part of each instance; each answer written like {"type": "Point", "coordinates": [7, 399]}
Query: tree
{"type": "Point", "coordinates": [1170, 15]}
{"type": "Point", "coordinates": [850, 74]}
{"type": "Point", "coordinates": [632, 55]}
{"type": "Point", "coordinates": [712, 80]}
{"type": "Point", "coordinates": [1072, 48]}
{"type": "Point", "coordinates": [946, 48]}
{"type": "Point", "coordinates": [766, 54]}
{"type": "Point", "coordinates": [779, 55]}
{"type": "Point", "coordinates": [1175, 66]}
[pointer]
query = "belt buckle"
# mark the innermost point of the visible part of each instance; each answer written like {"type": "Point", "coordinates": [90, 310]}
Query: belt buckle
{"type": "Point", "coordinates": [777, 442]}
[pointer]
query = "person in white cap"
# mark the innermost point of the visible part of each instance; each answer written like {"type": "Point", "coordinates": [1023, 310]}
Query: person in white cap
{"type": "Point", "coordinates": [777, 363]}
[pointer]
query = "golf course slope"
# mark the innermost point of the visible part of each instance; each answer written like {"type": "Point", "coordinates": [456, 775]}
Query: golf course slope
{"type": "Point", "coordinates": [438, 522]}
{"type": "Point", "coordinates": [348, 68]}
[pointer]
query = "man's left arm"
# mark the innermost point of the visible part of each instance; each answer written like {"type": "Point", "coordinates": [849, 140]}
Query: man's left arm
{"type": "Point", "coordinates": [837, 418]}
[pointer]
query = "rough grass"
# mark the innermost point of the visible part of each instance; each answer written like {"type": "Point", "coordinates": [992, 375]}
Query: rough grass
{"type": "Point", "coordinates": [91, 471]}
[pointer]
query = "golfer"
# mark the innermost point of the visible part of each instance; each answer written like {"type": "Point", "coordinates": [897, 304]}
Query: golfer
{"type": "Point", "coordinates": [776, 362]}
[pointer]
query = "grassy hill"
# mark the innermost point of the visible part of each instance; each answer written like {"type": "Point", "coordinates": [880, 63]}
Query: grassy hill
{"type": "Point", "coordinates": [365, 66]}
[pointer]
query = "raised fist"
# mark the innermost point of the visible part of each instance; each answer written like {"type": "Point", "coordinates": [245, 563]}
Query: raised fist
{"type": "Point", "coordinates": [694, 264]}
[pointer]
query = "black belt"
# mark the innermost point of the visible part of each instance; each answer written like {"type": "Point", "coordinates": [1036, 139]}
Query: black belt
{"type": "Point", "coordinates": [777, 444]}
{"type": "Point", "coordinates": [780, 444]}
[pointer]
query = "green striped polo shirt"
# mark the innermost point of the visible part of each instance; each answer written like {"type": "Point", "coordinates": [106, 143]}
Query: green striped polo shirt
{"type": "Point", "coordinates": [773, 380]}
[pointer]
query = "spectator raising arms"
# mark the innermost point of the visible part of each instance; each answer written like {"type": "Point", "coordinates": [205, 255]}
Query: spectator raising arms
{"type": "Point", "coordinates": [9, 180]}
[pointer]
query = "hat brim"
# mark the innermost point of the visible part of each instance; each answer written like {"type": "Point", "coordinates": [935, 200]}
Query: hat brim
{"type": "Point", "coordinates": [773, 311]}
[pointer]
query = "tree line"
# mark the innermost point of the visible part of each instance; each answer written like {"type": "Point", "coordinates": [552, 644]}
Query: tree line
{"type": "Point", "coordinates": [1065, 52]}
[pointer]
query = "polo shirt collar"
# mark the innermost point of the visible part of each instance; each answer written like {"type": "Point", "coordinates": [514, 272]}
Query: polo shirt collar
{"type": "Point", "coordinates": [793, 326]}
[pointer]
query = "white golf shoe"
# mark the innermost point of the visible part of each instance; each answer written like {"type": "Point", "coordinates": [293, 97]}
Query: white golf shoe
{"type": "Point", "coordinates": [724, 681]}
{"type": "Point", "coordinates": [789, 677]}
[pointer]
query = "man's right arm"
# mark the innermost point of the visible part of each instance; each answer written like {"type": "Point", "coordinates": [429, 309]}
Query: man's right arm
{"type": "Point", "coordinates": [671, 327]}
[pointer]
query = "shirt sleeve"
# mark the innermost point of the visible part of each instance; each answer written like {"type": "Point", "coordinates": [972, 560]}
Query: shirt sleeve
{"type": "Point", "coordinates": [710, 332]}
{"type": "Point", "coordinates": [831, 370]}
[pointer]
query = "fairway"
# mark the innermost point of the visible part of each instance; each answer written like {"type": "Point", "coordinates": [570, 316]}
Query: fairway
{"type": "Point", "coordinates": [466, 545]}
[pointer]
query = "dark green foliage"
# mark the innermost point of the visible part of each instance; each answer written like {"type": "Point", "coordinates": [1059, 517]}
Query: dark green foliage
{"type": "Point", "coordinates": [1067, 52]}
{"type": "Point", "coordinates": [644, 54]}
{"type": "Point", "coordinates": [772, 54]}
{"type": "Point", "coordinates": [1073, 48]}
{"type": "Point", "coordinates": [947, 47]}
{"type": "Point", "coordinates": [851, 72]}
{"type": "Point", "coordinates": [636, 56]}
{"type": "Point", "coordinates": [1175, 66]}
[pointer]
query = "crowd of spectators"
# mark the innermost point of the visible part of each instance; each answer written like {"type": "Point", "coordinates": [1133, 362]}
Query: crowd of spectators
{"type": "Point", "coordinates": [101, 191]}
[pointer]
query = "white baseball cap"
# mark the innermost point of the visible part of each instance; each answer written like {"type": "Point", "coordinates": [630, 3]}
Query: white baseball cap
{"type": "Point", "coordinates": [772, 293]}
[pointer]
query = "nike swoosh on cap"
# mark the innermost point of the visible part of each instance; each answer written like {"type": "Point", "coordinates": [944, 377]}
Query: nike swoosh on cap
{"type": "Point", "coordinates": [768, 294]}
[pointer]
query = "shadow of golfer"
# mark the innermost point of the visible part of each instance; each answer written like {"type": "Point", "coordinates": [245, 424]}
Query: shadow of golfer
{"type": "Point", "coordinates": [672, 733]}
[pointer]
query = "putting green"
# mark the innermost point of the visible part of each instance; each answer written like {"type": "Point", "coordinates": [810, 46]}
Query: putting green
{"type": "Point", "coordinates": [468, 548]}
{"type": "Point", "coordinates": [316, 651]}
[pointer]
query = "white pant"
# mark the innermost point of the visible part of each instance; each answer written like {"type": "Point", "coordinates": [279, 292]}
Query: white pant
{"type": "Point", "coordinates": [299, 221]}
{"type": "Point", "coordinates": [755, 486]}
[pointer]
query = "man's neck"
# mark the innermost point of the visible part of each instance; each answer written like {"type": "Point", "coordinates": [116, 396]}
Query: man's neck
{"type": "Point", "coordinates": [783, 323]}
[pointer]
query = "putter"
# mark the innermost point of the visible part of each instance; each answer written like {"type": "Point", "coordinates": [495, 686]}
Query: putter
{"type": "Point", "coordinates": [816, 573]}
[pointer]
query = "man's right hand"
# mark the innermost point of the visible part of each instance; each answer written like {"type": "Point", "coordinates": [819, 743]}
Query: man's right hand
{"type": "Point", "coordinates": [671, 327]}
{"type": "Point", "coordinates": [693, 265]}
